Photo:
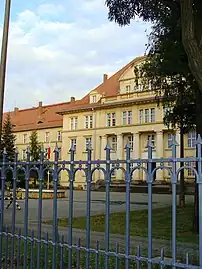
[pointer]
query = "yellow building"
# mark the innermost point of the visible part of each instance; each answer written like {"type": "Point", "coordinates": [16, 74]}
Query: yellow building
{"type": "Point", "coordinates": [119, 111]}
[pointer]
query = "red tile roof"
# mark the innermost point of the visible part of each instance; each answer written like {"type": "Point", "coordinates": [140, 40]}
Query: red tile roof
{"type": "Point", "coordinates": [42, 117]}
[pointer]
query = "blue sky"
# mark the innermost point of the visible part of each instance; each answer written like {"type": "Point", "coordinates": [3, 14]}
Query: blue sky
{"type": "Point", "coordinates": [61, 48]}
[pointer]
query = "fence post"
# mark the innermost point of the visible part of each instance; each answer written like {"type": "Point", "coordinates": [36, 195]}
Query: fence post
{"type": "Point", "coordinates": [88, 203]}
{"type": "Point", "coordinates": [149, 182]}
{"type": "Point", "coordinates": [128, 183]}
{"type": "Point", "coordinates": [107, 184]}
{"type": "Point", "coordinates": [174, 198]}
{"type": "Point", "coordinates": [71, 197]}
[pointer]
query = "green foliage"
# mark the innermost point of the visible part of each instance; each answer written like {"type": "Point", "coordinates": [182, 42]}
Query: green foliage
{"type": "Point", "coordinates": [35, 147]}
{"type": "Point", "coordinates": [8, 138]}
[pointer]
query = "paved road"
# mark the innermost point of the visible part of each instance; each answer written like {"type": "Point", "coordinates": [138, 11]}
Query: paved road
{"type": "Point", "coordinates": [98, 205]}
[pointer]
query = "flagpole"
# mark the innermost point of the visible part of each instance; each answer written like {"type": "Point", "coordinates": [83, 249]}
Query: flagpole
{"type": "Point", "coordinates": [4, 50]}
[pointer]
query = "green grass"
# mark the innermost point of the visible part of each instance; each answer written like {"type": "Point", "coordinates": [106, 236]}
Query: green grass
{"type": "Point", "coordinates": [161, 220]}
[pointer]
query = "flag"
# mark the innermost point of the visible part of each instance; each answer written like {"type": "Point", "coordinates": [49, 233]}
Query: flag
{"type": "Point", "coordinates": [49, 152]}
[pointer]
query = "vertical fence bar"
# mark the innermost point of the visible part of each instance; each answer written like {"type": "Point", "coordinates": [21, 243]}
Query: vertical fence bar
{"type": "Point", "coordinates": [117, 256]}
{"type": "Point", "coordinates": [97, 255]}
{"type": "Point", "coordinates": [14, 207]}
{"type": "Point", "coordinates": [107, 219]}
{"type": "Point", "coordinates": [128, 183]}
{"type": "Point", "coordinates": [199, 182]}
{"type": "Point", "coordinates": [40, 178]}
{"type": "Point", "coordinates": [46, 250]}
{"type": "Point", "coordinates": [88, 204]}
{"type": "Point", "coordinates": [32, 251]}
{"type": "Point", "coordinates": [2, 204]}
{"type": "Point", "coordinates": [174, 200]}
{"type": "Point", "coordinates": [6, 248]}
{"type": "Point", "coordinates": [18, 249]}
{"type": "Point", "coordinates": [149, 182]}
{"type": "Point", "coordinates": [62, 253]}
{"type": "Point", "coordinates": [26, 207]}
{"type": "Point", "coordinates": [78, 254]}
{"type": "Point", "coordinates": [71, 204]}
{"type": "Point", "coordinates": [55, 219]}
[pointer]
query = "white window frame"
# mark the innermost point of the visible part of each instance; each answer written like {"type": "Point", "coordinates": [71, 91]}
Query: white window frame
{"type": "Point", "coordinates": [114, 143]}
{"type": "Point", "coordinates": [146, 115]}
{"type": "Point", "coordinates": [88, 140]}
{"type": "Point", "coordinates": [191, 139]}
{"type": "Point", "coordinates": [94, 99]}
{"type": "Point", "coordinates": [59, 136]}
{"type": "Point", "coordinates": [47, 137]}
{"type": "Point", "coordinates": [74, 123]}
{"type": "Point", "coordinates": [128, 88]}
{"type": "Point", "coordinates": [141, 115]}
{"type": "Point", "coordinates": [24, 138]}
{"type": "Point", "coordinates": [111, 119]}
{"type": "Point", "coordinates": [89, 122]}
{"type": "Point", "coordinates": [73, 143]}
{"type": "Point", "coordinates": [124, 117]}
{"type": "Point", "coordinates": [131, 141]}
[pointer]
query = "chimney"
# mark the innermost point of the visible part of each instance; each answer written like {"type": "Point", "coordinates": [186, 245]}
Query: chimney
{"type": "Point", "coordinates": [72, 99]}
{"type": "Point", "coordinates": [40, 108]}
{"type": "Point", "coordinates": [105, 78]}
{"type": "Point", "coordinates": [16, 109]}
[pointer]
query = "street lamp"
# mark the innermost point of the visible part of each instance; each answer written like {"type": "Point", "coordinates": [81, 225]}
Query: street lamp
{"type": "Point", "coordinates": [4, 49]}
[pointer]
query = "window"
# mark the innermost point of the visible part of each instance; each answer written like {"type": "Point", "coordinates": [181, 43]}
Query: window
{"type": "Point", "coordinates": [146, 115]}
{"type": "Point", "coordinates": [88, 122]}
{"type": "Point", "coordinates": [130, 141]}
{"type": "Point", "coordinates": [47, 134]}
{"type": "Point", "coordinates": [59, 154]}
{"type": "Point", "coordinates": [152, 139]}
{"type": "Point", "coordinates": [59, 136]}
{"type": "Point", "coordinates": [88, 142]}
{"type": "Point", "coordinates": [24, 138]}
{"type": "Point", "coordinates": [94, 99]}
{"type": "Point", "coordinates": [111, 119]}
{"type": "Point", "coordinates": [191, 139]}
{"type": "Point", "coordinates": [127, 88]}
{"type": "Point", "coordinates": [141, 115]}
{"type": "Point", "coordinates": [114, 143]}
{"type": "Point", "coordinates": [190, 172]}
{"type": "Point", "coordinates": [152, 115]}
{"type": "Point", "coordinates": [73, 143]}
{"type": "Point", "coordinates": [74, 123]}
{"type": "Point", "coordinates": [127, 117]}
{"type": "Point", "coordinates": [170, 140]}
{"type": "Point", "coordinates": [24, 154]}
{"type": "Point", "coordinates": [113, 173]}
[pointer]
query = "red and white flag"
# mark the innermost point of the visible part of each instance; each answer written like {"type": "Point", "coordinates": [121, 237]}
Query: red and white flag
{"type": "Point", "coordinates": [49, 152]}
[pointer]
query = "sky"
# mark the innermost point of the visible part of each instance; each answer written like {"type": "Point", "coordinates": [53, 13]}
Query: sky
{"type": "Point", "coordinates": [62, 48]}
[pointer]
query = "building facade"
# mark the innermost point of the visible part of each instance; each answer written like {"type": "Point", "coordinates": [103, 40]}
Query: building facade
{"type": "Point", "coordinates": [119, 111]}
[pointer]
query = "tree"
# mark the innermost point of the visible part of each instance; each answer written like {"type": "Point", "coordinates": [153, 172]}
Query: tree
{"type": "Point", "coordinates": [8, 138]}
{"type": "Point", "coordinates": [175, 57]}
{"type": "Point", "coordinates": [35, 147]}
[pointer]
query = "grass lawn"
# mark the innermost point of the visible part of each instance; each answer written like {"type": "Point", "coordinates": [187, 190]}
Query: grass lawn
{"type": "Point", "coordinates": [162, 227]}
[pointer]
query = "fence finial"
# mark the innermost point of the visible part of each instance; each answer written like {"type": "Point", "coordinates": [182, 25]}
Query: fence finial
{"type": "Point", "coordinates": [4, 151]}
{"type": "Point", "coordinates": [89, 147]}
{"type": "Point", "coordinates": [174, 141]}
{"type": "Point", "coordinates": [72, 148]}
{"type": "Point", "coordinates": [198, 140]}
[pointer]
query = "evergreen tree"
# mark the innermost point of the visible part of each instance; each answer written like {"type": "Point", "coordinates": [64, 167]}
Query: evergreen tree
{"type": "Point", "coordinates": [8, 138]}
{"type": "Point", "coordinates": [35, 147]}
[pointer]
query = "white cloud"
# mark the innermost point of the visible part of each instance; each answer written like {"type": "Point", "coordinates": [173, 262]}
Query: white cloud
{"type": "Point", "coordinates": [51, 59]}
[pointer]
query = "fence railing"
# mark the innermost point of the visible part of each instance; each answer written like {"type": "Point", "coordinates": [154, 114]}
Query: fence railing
{"type": "Point", "coordinates": [26, 243]}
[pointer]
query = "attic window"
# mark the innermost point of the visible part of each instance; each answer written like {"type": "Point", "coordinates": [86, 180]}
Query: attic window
{"type": "Point", "coordinates": [94, 99]}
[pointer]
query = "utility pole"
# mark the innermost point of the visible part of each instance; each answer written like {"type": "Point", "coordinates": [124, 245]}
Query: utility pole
{"type": "Point", "coordinates": [4, 50]}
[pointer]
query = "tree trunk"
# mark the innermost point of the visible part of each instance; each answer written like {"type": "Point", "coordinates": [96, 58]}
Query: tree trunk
{"type": "Point", "coordinates": [198, 131]}
{"type": "Point", "coordinates": [182, 190]}
{"type": "Point", "coordinates": [191, 40]}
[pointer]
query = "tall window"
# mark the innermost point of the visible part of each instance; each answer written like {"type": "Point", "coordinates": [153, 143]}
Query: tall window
{"type": "Point", "coordinates": [170, 140]}
{"type": "Point", "coordinates": [127, 117]}
{"type": "Point", "coordinates": [47, 135]}
{"type": "Point", "coordinates": [73, 142]}
{"type": "Point", "coordinates": [111, 119]}
{"type": "Point", "coordinates": [88, 122]}
{"type": "Point", "coordinates": [141, 115]}
{"type": "Point", "coordinates": [127, 88]}
{"type": "Point", "coordinates": [24, 138]}
{"type": "Point", "coordinates": [130, 141]}
{"type": "Point", "coordinates": [152, 139]}
{"type": "Point", "coordinates": [94, 98]}
{"type": "Point", "coordinates": [152, 115]}
{"type": "Point", "coordinates": [88, 142]}
{"type": "Point", "coordinates": [59, 138]}
{"type": "Point", "coordinates": [73, 123]}
{"type": "Point", "coordinates": [114, 143]}
{"type": "Point", "coordinates": [191, 139]}
{"type": "Point", "coordinates": [24, 155]}
{"type": "Point", "coordinates": [146, 115]}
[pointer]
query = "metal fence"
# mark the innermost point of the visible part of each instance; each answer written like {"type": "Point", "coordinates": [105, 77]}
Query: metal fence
{"type": "Point", "coordinates": [22, 247]}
